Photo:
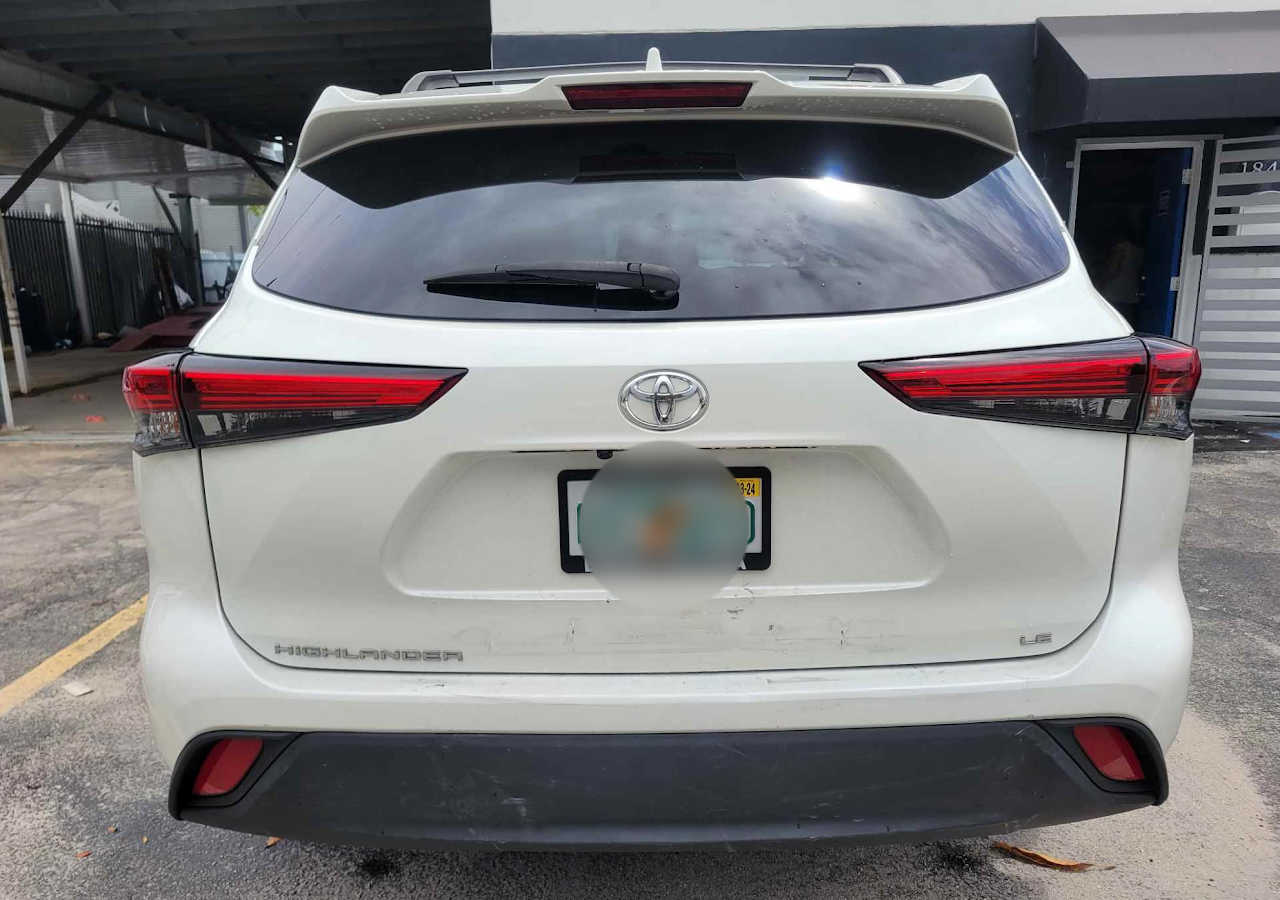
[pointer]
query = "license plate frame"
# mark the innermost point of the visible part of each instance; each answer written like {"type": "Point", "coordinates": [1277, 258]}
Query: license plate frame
{"type": "Point", "coordinates": [757, 560]}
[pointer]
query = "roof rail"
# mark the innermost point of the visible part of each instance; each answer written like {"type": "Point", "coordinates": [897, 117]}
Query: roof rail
{"type": "Point", "coordinates": [447, 78]}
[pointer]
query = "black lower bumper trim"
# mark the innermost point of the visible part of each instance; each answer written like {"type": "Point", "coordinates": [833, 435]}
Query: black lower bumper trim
{"type": "Point", "coordinates": [581, 791]}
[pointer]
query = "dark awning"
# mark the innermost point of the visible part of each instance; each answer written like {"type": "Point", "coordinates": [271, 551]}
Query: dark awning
{"type": "Point", "coordinates": [1094, 69]}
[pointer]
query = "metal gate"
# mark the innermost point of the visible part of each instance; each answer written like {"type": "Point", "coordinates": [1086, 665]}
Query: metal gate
{"type": "Point", "coordinates": [38, 250]}
{"type": "Point", "coordinates": [119, 274]}
{"type": "Point", "coordinates": [1238, 321]}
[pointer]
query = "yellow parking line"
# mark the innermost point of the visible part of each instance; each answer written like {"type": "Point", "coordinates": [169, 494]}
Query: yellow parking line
{"type": "Point", "coordinates": [76, 652]}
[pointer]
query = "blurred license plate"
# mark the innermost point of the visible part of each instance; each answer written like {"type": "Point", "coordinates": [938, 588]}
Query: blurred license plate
{"type": "Point", "coordinates": [753, 481]}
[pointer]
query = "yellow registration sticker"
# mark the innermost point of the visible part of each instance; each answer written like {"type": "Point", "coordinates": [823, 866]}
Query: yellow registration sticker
{"type": "Point", "coordinates": [750, 487]}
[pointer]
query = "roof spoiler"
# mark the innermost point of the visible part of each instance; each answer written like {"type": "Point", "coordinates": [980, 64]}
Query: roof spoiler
{"type": "Point", "coordinates": [447, 78]}
{"type": "Point", "coordinates": [970, 106]}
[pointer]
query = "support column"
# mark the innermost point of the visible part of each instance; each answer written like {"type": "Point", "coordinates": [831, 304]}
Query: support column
{"type": "Point", "coordinates": [6, 405]}
{"type": "Point", "coordinates": [19, 350]}
{"type": "Point", "coordinates": [186, 223]}
{"type": "Point", "coordinates": [78, 285]}
{"type": "Point", "coordinates": [10, 292]}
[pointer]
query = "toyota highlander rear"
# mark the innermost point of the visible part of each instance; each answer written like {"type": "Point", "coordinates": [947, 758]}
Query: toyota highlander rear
{"type": "Point", "coordinates": [380, 606]}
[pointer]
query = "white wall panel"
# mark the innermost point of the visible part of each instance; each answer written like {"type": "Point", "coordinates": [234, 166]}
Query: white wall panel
{"type": "Point", "coordinates": [590, 16]}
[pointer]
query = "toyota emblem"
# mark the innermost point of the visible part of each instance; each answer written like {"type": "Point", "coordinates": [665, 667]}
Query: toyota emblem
{"type": "Point", "coordinates": [663, 400]}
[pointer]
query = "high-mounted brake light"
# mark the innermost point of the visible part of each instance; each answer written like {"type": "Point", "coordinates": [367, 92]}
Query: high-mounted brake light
{"type": "Point", "coordinates": [657, 95]}
{"type": "Point", "coordinates": [1130, 384]}
{"type": "Point", "coordinates": [217, 400]}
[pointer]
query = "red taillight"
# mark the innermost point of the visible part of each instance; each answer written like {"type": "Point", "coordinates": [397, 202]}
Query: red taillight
{"type": "Point", "coordinates": [1100, 385]}
{"type": "Point", "coordinates": [151, 393]}
{"type": "Point", "coordinates": [149, 388]}
{"type": "Point", "coordinates": [1172, 375]}
{"type": "Point", "coordinates": [217, 400]}
{"type": "Point", "coordinates": [1110, 751]}
{"type": "Point", "coordinates": [1082, 384]}
{"type": "Point", "coordinates": [219, 387]}
{"type": "Point", "coordinates": [225, 766]}
{"type": "Point", "coordinates": [231, 399]}
{"type": "Point", "coordinates": [657, 94]}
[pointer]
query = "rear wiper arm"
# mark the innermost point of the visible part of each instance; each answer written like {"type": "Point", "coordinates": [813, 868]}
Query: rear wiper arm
{"type": "Point", "coordinates": [660, 281]}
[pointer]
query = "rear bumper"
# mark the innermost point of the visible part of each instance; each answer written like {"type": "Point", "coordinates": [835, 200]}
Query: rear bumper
{"type": "Point", "coordinates": [657, 791]}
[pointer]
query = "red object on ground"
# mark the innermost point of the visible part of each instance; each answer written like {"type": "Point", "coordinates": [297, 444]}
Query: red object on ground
{"type": "Point", "coordinates": [171, 331]}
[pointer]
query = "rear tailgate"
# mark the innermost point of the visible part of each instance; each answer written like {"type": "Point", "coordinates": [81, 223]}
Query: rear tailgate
{"type": "Point", "coordinates": [897, 537]}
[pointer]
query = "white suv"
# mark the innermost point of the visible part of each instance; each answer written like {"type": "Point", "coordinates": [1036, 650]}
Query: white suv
{"type": "Point", "coordinates": [954, 605]}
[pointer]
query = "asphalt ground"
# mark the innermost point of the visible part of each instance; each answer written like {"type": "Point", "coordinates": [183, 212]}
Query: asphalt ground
{"type": "Point", "coordinates": [80, 773]}
{"type": "Point", "coordinates": [93, 409]}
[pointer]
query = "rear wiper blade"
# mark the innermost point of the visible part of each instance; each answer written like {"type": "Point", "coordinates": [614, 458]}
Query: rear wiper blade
{"type": "Point", "coordinates": [660, 281]}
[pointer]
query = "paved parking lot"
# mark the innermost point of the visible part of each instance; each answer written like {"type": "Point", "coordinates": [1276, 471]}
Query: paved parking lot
{"type": "Point", "coordinates": [80, 774]}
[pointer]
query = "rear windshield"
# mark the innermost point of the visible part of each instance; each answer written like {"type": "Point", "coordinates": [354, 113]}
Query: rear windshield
{"type": "Point", "coordinates": [755, 218]}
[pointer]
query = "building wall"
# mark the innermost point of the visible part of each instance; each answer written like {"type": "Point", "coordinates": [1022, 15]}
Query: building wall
{"type": "Point", "coordinates": [512, 17]}
{"type": "Point", "coordinates": [41, 196]}
{"type": "Point", "coordinates": [921, 54]}
{"type": "Point", "coordinates": [925, 40]}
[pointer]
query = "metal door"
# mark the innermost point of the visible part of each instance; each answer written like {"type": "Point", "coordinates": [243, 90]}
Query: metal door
{"type": "Point", "coordinates": [1238, 317]}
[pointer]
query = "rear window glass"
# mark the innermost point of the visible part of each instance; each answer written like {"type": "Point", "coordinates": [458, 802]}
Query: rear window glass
{"type": "Point", "coordinates": [756, 218]}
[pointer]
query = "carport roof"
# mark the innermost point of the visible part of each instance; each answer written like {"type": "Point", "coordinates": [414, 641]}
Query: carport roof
{"type": "Point", "coordinates": [255, 64]}
{"type": "Point", "coordinates": [203, 91]}
{"type": "Point", "coordinates": [101, 151]}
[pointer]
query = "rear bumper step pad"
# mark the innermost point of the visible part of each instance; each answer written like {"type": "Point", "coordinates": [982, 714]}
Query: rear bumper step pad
{"type": "Point", "coordinates": [659, 791]}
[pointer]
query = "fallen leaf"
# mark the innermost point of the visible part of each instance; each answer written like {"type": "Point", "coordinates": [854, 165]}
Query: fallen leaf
{"type": "Point", "coordinates": [111, 829]}
{"type": "Point", "coordinates": [272, 841]}
{"type": "Point", "coordinates": [1040, 859]}
{"type": "Point", "coordinates": [83, 853]}
{"type": "Point", "coordinates": [145, 839]}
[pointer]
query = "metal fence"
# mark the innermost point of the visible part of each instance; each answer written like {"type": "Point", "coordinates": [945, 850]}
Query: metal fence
{"type": "Point", "coordinates": [118, 270]}
{"type": "Point", "coordinates": [38, 251]}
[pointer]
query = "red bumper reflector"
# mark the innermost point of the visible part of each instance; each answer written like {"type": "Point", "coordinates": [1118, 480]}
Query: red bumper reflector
{"type": "Point", "coordinates": [225, 765]}
{"type": "Point", "coordinates": [655, 95]}
{"type": "Point", "coordinates": [1110, 751]}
